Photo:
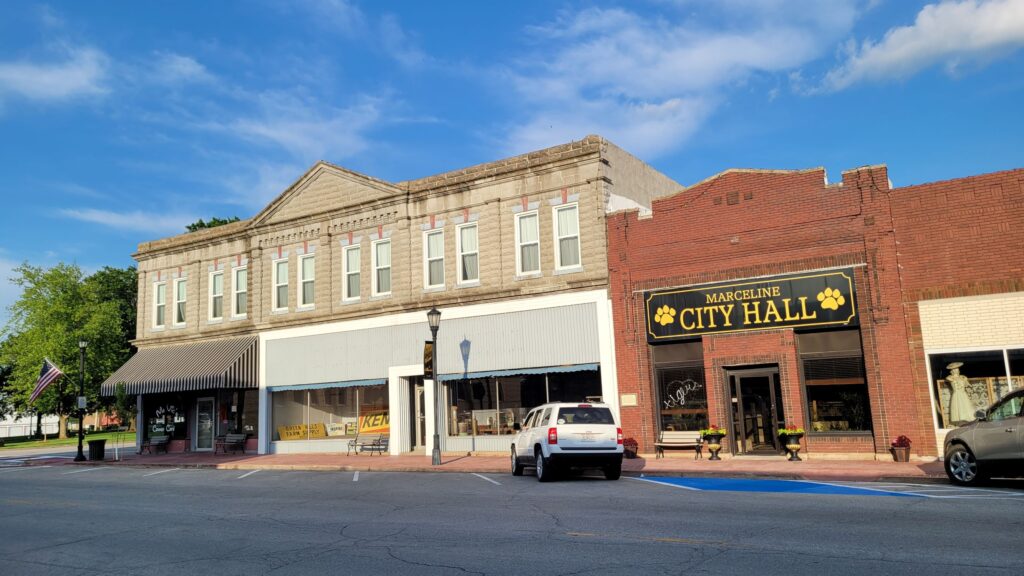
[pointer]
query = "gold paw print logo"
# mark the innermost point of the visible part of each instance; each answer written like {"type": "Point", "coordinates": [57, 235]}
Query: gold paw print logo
{"type": "Point", "coordinates": [665, 315]}
{"type": "Point", "coordinates": [831, 299]}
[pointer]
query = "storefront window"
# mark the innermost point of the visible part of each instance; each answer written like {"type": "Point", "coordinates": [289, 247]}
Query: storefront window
{"type": "Point", "coordinates": [165, 415]}
{"type": "Point", "coordinates": [682, 396]}
{"type": "Point", "coordinates": [965, 382]}
{"type": "Point", "coordinates": [325, 413]}
{"type": "Point", "coordinates": [491, 406]}
{"type": "Point", "coordinates": [834, 377]}
{"type": "Point", "coordinates": [238, 412]}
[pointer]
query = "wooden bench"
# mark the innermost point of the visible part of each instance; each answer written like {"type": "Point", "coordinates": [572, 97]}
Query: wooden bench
{"type": "Point", "coordinates": [155, 442]}
{"type": "Point", "coordinates": [378, 445]}
{"type": "Point", "coordinates": [679, 439]}
{"type": "Point", "coordinates": [235, 442]}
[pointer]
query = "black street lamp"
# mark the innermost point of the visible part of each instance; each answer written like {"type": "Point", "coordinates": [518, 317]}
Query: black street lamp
{"type": "Point", "coordinates": [82, 344]}
{"type": "Point", "coordinates": [434, 320]}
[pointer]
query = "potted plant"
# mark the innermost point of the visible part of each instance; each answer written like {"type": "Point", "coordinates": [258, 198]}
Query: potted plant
{"type": "Point", "coordinates": [630, 447]}
{"type": "Point", "coordinates": [790, 435]}
{"type": "Point", "coordinates": [900, 448]}
{"type": "Point", "coordinates": [713, 436]}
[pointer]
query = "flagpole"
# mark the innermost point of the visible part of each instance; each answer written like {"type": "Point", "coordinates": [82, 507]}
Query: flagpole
{"type": "Point", "coordinates": [81, 393]}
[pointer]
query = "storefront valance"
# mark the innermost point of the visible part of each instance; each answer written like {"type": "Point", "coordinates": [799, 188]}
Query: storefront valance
{"type": "Point", "coordinates": [349, 384]}
{"type": "Point", "coordinates": [519, 372]}
{"type": "Point", "coordinates": [229, 363]}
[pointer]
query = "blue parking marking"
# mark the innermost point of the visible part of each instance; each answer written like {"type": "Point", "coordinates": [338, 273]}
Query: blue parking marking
{"type": "Point", "coordinates": [771, 486]}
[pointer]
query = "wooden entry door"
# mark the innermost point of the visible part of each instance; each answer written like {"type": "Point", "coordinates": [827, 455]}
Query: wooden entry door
{"type": "Point", "coordinates": [756, 398]}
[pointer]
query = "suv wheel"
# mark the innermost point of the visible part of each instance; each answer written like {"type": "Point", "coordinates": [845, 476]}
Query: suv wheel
{"type": "Point", "coordinates": [961, 466]}
{"type": "Point", "coordinates": [544, 471]}
{"type": "Point", "coordinates": [517, 468]}
{"type": "Point", "coordinates": [613, 472]}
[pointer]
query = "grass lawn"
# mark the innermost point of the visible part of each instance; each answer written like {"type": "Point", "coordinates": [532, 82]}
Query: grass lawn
{"type": "Point", "coordinates": [126, 438]}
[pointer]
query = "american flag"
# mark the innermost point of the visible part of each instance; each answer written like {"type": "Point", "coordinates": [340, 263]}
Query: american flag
{"type": "Point", "coordinates": [48, 374]}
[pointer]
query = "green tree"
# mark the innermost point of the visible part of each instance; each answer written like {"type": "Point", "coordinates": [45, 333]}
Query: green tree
{"type": "Point", "coordinates": [211, 223]}
{"type": "Point", "coordinates": [56, 310]}
{"type": "Point", "coordinates": [124, 405]}
{"type": "Point", "coordinates": [120, 285]}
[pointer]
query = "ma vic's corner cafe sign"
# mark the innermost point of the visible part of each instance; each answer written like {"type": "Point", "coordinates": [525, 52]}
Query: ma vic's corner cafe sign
{"type": "Point", "coordinates": [793, 300]}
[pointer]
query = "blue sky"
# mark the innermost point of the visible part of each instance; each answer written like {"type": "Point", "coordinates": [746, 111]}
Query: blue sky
{"type": "Point", "coordinates": [123, 121]}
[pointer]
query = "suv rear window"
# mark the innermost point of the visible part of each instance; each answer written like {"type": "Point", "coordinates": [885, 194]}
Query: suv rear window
{"type": "Point", "coordinates": [585, 415]}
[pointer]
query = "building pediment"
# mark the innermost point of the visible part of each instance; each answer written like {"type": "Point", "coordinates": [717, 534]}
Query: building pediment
{"type": "Point", "coordinates": [325, 187]}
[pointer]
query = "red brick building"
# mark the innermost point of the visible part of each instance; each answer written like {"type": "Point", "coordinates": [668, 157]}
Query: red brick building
{"type": "Point", "coordinates": [759, 298]}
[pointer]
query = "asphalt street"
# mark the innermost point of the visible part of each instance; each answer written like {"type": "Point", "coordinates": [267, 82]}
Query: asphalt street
{"type": "Point", "coordinates": [129, 520]}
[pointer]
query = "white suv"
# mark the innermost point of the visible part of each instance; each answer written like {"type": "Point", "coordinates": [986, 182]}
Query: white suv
{"type": "Point", "coordinates": [568, 435]}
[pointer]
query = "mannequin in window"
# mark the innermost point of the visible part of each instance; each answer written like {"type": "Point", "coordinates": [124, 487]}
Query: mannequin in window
{"type": "Point", "coordinates": [961, 409]}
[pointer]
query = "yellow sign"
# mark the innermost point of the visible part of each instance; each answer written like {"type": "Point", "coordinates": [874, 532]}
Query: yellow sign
{"type": "Point", "coordinates": [302, 432]}
{"type": "Point", "coordinates": [375, 423]}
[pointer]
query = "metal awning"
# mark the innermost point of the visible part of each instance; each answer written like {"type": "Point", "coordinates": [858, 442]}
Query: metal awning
{"type": "Point", "coordinates": [228, 363]}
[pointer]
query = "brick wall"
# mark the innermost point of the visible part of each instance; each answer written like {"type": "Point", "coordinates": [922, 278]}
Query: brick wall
{"type": "Point", "coordinates": [743, 224]}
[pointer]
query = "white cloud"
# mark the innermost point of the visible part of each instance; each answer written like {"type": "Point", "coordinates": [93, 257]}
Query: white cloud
{"type": "Point", "coordinates": [951, 33]}
{"type": "Point", "coordinates": [136, 221]}
{"type": "Point", "coordinates": [82, 72]}
{"type": "Point", "coordinates": [9, 292]}
{"type": "Point", "coordinates": [171, 68]}
{"type": "Point", "coordinates": [649, 83]}
{"type": "Point", "coordinates": [306, 128]}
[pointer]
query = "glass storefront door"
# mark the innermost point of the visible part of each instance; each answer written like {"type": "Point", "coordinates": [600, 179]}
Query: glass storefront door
{"type": "Point", "coordinates": [756, 397]}
{"type": "Point", "coordinates": [204, 424]}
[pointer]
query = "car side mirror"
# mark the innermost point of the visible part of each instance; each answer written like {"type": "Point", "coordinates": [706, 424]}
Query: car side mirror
{"type": "Point", "coordinates": [516, 426]}
{"type": "Point", "coordinates": [980, 414]}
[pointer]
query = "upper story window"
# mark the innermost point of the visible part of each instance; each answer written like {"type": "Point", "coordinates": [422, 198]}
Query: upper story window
{"type": "Point", "coordinates": [240, 287]}
{"type": "Point", "coordinates": [567, 237]}
{"type": "Point", "coordinates": [280, 280]}
{"type": "Point", "coordinates": [180, 292]}
{"type": "Point", "coordinates": [527, 244]}
{"type": "Point", "coordinates": [433, 255]}
{"type": "Point", "coordinates": [469, 254]}
{"type": "Point", "coordinates": [160, 305]}
{"type": "Point", "coordinates": [381, 267]}
{"type": "Point", "coordinates": [353, 260]}
{"type": "Point", "coordinates": [307, 278]}
{"type": "Point", "coordinates": [216, 296]}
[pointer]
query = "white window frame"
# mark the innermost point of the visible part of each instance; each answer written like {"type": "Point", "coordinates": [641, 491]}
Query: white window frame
{"type": "Point", "coordinates": [157, 304]}
{"type": "Point", "coordinates": [459, 254]}
{"type": "Point", "coordinates": [275, 306]}
{"type": "Point", "coordinates": [426, 259]}
{"type": "Point", "coordinates": [235, 291]}
{"type": "Point", "coordinates": [213, 296]}
{"type": "Point", "coordinates": [301, 292]}
{"type": "Point", "coordinates": [345, 296]}
{"type": "Point", "coordinates": [519, 246]}
{"type": "Point", "coordinates": [184, 301]}
{"type": "Point", "coordinates": [558, 239]}
{"type": "Point", "coordinates": [375, 291]}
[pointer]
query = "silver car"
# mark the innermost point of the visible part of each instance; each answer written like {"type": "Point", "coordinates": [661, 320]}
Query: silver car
{"type": "Point", "coordinates": [992, 445]}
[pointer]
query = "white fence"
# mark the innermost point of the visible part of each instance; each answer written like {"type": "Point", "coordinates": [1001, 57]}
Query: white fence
{"type": "Point", "coordinates": [18, 429]}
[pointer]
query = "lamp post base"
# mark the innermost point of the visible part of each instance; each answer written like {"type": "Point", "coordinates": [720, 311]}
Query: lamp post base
{"type": "Point", "coordinates": [435, 454]}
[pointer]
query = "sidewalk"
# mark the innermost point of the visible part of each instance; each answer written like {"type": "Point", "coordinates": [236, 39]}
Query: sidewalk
{"type": "Point", "coordinates": [765, 467]}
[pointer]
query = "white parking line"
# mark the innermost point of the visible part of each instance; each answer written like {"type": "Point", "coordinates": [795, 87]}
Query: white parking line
{"type": "Point", "coordinates": [486, 478]}
{"type": "Point", "coordinates": [161, 471]}
{"type": "Point", "coordinates": [355, 477]}
{"type": "Point", "coordinates": [23, 468]}
{"type": "Point", "coordinates": [248, 474]}
{"type": "Point", "coordinates": [663, 483]}
{"type": "Point", "coordinates": [89, 469]}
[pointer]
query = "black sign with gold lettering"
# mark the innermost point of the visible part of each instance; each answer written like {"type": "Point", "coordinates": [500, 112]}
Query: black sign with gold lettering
{"type": "Point", "coordinates": [795, 300]}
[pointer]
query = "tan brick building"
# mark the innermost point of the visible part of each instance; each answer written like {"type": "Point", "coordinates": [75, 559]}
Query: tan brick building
{"type": "Point", "coordinates": [305, 324]}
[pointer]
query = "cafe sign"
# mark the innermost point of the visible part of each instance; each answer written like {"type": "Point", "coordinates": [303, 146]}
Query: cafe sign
{"type": "Point", "coordinates": [793, 300]}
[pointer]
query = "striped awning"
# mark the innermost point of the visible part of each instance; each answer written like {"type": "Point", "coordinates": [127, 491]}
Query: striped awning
{"type": "Point", "coordinates": [229, 363]}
